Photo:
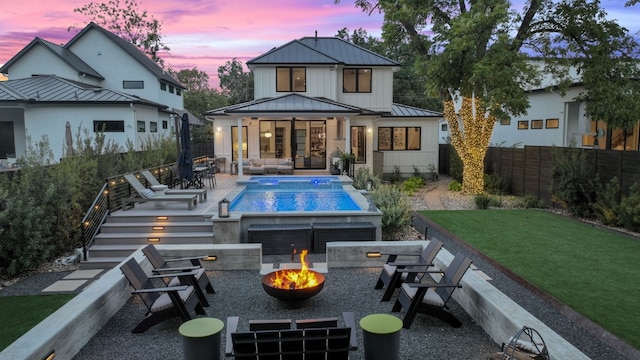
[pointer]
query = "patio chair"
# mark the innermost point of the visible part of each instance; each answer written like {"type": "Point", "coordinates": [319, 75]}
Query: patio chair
{"type": "Point", "coordinates": [163, 266]}
{"type": "Point", "coordinates": [164, 302]}
{"type": "Point", "coordinates": [202, 193]}
{"type": "Point", "coordinates": [392, 278]}
{"type": "Point", "coordinates": [432, 299]}
{"type": "Point", "coordinates": [149, 195]}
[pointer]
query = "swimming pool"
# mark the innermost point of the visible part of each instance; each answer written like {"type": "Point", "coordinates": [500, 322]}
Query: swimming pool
{"type": "Point", "coordinates": [300, 193]}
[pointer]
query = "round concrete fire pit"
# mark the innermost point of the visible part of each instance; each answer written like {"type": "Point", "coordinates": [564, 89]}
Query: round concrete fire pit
{"type": "Point", "coordinates": [292, 294]}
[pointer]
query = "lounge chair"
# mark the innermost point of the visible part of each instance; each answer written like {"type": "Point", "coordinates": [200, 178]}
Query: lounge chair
{"type": "Point", "coordinates": [162, 266]}
{"type": "Point", "coordinates": [202, 193]}
{"type": "Point", "coordinates": [149, 195]}
{"type": "Point", "coordinates": [432, 299]}
{"type": "Point", "coordinates": [392, 278]}
{"type": "Point", "coordinates": [162, 303]}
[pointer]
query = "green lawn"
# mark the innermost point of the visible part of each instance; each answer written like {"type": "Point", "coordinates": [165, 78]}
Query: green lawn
{"type": "Point", "coordinates": [18, 314]}
{"type": "Point", "coordinates": [594, 271]}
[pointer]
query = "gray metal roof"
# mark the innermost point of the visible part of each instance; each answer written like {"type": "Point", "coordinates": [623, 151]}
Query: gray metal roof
{"type": "Point", "coordinates": [132, 51]}
{"type": "Point", "coordinates": [193, 120]}
{"type": "Point", "coordinates": [53, 89]}
{"type": "Point", "coordinates": [322, 50]}
{"type": "Point", "coordinates": [290, 103]}
{"type": "Point", "coordinates": [63, 53]}
{"type": "Point", "coordinates": [399, 110]}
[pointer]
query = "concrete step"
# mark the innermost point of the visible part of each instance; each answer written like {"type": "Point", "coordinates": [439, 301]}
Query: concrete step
{"type": "Point", "coordinates": [124, 217]}
{"type": "Point", "coordinates": [164, 238]}
{"type": "Point", "coordinates": [158, 227]}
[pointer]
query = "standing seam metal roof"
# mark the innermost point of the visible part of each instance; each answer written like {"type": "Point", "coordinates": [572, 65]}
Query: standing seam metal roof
{"type": "Point", "coordinates": [321, 50]}
{"type": "Point", "coordinates": [49, 88]}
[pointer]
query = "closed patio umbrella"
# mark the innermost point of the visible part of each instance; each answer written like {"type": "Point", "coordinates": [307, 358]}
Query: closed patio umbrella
{"type": "Point", "coordinates": [68, 139]}
{"type": "Point", "coordinates": [185, 161]}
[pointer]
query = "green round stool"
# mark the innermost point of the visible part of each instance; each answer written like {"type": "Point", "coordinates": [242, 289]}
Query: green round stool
{"type": "Point", "coordinates": [381, 335]}
{"type": "Point", "coordinates": [201, 338]}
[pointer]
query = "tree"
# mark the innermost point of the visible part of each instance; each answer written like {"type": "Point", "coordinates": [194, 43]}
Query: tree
{"type": "Point", "coordinates": [128, 22]}
{"type": "Point", "coordinates": [481, 52]}
{"type": "Point", "coordinates": [236, 84]}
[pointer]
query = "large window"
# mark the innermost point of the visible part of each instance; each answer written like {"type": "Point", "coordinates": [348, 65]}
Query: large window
{"type": "Point", "coordinates": [291, 79]}
{"type": "Point", "coordinates": [359, 143]}
{"type": "Point", "coordinates": [141, 126]}
{"type": "Point", "coordinates": [108, 126]}
{"type": "Point", "coordinates": [356, 80]}
{"type": "Point", "coordinates": [7, 142]}
{"type": "Point", "coordinates": [130, 84]}
{"type": "Point", "coordinates": [399, 138]}
{"type": "Point", "coordinates": [153, 126]}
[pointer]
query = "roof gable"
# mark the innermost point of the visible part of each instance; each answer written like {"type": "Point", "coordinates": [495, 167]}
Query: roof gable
{"type": "Point", "coordinates": [322, 50]}
{"type": "Point", "coordinates": [131, 50]}
{"type": "Point", "coordinates": [63, 53]}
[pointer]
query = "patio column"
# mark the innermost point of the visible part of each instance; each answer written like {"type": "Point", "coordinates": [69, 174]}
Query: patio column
{"type": "Point", "coordinates": [239, 157]}
{"type": "Point", "coordinates": [347, 135]}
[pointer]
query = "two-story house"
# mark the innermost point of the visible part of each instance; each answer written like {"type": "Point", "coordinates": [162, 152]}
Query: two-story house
{"type": "Point", "coordinates": [97, 82]}
{"type": "Point", "coordinates": [318, 96]}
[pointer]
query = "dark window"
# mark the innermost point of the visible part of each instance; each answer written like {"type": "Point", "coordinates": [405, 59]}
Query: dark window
{"type": "Point", "coordinates": [165, 124]}
{"type": "Point", "coordinates": [171, 89]}
{"type": "Point", "coordinates": [359, 143]}
{"type": "Point", "coordinates": [523, 124]}
{"type": "Point", "coordinates": [153, 126]}
{"type": "Point", "coordinates": [108, 125]}
{"type": "Point", "coordinates": [443, 127]}
{"type": "Point", "coordinates": [7, 142]}
{"type": "Point", "coordinates": [291, 79]}
{"type": "Point", "coordinates": [356, 80]}
{"type": "Point", "coordinates": [129, 84]}
{"type": "Point", "coordinates": [399, 138]}
{"type": "Point", "coordinates": [178, 92]}
{"type": "Point", "coordinates": [141, 126]}
{"type": "Point", "coordinates": [163, 86]}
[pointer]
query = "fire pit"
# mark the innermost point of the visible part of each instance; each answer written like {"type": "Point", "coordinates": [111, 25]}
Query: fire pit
{"type": "Point", "coordinates": [293, 285]}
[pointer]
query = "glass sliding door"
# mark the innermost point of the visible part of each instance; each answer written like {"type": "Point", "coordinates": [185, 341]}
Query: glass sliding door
{"type": "Point", "coordinates": [310, 144]}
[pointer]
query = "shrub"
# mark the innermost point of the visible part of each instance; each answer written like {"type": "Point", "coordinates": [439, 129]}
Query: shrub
{"type": "Point", "coordinates": [396, 176]}
{"type": "Point", "coordinates": [530, 202]}
{"type": "Point", "coordinates": [607, 205]}
{"type": "Point", "coordinates": [630, 209]}
{"type": "Point", "coordinates": [572, 182]}
{"type": "Point", "coordinates": [395, 207]}
{"type": "Point", "coordinates": [411, 185]}
{"type": "Point", "coordinates": [482, 201]}
{"type": "Point", "coordinates": [495, 201]}
{"type": "Point", "coordinates": [455, 185]}
{"type": "Point", "coordinates": [362, 175]}
{"type": "Point", "coordinates": [495, 184]}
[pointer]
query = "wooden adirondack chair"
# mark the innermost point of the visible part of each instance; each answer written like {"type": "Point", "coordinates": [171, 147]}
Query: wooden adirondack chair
{"type": "Point", "coordinates": [164, 302]}
{"type": "Point", "coordinates": [432, 299]}
{"type": "Point", "coordinates": [163, 266]}
{"type": "Point", "coordinates": [390, 276]}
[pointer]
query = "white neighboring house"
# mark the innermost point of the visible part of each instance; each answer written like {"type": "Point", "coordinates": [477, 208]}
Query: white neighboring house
{"type": "Point", "coordinates": [316, 95]}
{"type": "Point", "coordinates": [97, 81]}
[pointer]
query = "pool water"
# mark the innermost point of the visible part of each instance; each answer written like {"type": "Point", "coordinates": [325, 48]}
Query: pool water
{"type": "Point", "coordinates": [300, 194]}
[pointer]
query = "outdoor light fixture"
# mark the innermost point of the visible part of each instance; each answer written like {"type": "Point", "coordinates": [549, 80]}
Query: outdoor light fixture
{"type": "Point", "coordinates": [163, 218]}
{"type": "Point", "coordinates": [153, 240]}
{"type": "Point", "coordinates": [219, 129]}
{"type": "Point", "coordinates": [223, 208]}
{"type": "Point", "coordinates": [157, 228]}
{"type": "Point", "coordinates": [374, 254]}
{"type": "Point", "coordinates": [210, 258]}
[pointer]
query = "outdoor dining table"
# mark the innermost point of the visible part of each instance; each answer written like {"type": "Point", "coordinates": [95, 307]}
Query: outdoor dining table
{"type": "Point", "coordinates": [198, 175]}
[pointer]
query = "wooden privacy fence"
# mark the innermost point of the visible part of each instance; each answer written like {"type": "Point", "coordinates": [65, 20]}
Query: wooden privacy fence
{"type": "Point", "coordinates": [527, 172]}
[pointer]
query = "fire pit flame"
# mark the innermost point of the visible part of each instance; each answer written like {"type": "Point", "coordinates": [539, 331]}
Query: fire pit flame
{"type": "Point", "coordinates": [296, 279]}
{"type": "Point", "coordinates": [293, 284]}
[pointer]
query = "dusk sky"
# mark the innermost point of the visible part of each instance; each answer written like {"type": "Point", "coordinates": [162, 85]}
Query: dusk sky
{"type": "Point", "coordinates": [208, 33]}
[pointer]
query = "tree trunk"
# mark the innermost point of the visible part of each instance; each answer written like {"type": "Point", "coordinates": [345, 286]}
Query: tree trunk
{"type": "Point", "coordinates": [470, 131]}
